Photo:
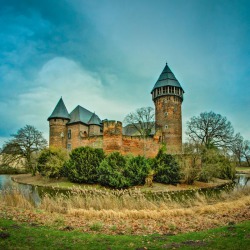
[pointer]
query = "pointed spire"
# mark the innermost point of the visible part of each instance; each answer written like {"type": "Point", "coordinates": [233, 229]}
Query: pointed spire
{"type": "Point", "coordinates": [60, 111]}
{"type": "Point", "coordinates": [94, 120]}
{"type": "Point", "coordinates": [167, 78]}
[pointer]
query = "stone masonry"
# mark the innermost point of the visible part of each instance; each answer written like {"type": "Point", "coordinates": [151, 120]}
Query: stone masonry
{"type": "Point", "coordinates": [84, 128]}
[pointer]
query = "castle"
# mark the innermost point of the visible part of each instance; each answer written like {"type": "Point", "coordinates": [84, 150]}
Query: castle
{"type": "Point", "coordinates": [84, 128]}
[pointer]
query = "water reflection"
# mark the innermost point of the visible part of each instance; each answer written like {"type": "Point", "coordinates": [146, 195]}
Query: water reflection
{"type": "Point", "coordinates": [28, 191]}
{"type": "Point", "coordinates": [242, 180]}
{"type": "Point", "coordinates": [34, 194]}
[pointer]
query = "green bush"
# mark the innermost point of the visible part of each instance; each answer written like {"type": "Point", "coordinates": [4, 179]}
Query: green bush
{"type": "Point", "coordinates": [216, 165]}
{"type": "Point", "coordinates": [111, 171]}
{"type": "Point", "coordinates": [136, 170]}
{"type": "Point", "coordinates": [82, 165]}
{"type": "Point", "coordinates": [166, 168]}
{"type": "Point", "coordinates": [51, 161]}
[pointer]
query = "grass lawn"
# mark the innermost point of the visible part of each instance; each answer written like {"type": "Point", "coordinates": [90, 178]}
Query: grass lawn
{"type": "Point", "coordinates": [15, 235]}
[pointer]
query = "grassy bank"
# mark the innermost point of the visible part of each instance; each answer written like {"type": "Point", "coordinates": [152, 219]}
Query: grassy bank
{"type": "Point", "coordinates": [63, 183]}
{"type": "Point", "coordinates": [243, 170]}
{"type": "Point", "coordinates": [11, 170]}
{"type": "Point", "coordinates": [15, 235]}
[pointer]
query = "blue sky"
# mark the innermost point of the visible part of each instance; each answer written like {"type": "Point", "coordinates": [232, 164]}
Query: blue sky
{"type": "Point", "coordinates": [106, 56]}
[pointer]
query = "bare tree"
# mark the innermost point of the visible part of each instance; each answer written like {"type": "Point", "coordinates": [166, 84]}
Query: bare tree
{"type": "Point", "coordinates": [142, 120]}
{"type": "Point", "coordinates": [24, 144]}
{"type": "Point", "coordinates": [237, 147]}
{"type": "Point", "coordinates": [211, 130]}
{"type": "Point", "coordinates": [246, 151]}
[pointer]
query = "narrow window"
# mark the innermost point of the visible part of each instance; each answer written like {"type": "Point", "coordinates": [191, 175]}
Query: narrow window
{"type": "Point", "coordinates": [69, 146]}
{"type": "Point", "coordinates": [166, 126]}
{"type": "Point", "coordinates": [69, 134]}
{"type": "Point", "coordinates": [166, 114]}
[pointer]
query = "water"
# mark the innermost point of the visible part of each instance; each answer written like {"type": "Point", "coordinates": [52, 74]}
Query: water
{"type": "Point", "coordinates": [30, 192]}
{"type": "Point", "coordinates": [35, 193]}
{"type": "Point", "coordinates": [242, 180]}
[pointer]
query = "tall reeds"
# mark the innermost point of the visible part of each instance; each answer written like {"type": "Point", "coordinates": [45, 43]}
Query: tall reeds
{"type": "Point", "coordinates": [128, 203]}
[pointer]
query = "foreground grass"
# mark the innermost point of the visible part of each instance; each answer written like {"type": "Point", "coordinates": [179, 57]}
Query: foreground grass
{"type": "Point", "coordinates": [15, 235]}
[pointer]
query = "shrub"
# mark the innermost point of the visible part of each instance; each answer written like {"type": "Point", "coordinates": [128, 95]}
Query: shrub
{"type": "Point", "coordinates": [190, 169]}
{"type": "Point", "coordinates": [82, 165]}
{"type": "Point", "coordinates": [136, 170]}
{"type": "Point", "coordinates": [111, 171]}
{"type": "Point", "coordinates": [216, 165]}
{"type": "Point", "coordinates": [51, 161]}
{"type": "Point", "coordinates": [166, 168]}
{"type": "Point", "coordinates": [190, 162]}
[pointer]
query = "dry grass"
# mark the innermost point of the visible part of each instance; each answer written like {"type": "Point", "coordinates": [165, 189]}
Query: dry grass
{"type": "Point", "coordinates": [127, 212]}
{"type": "Point", "coordinates": [15, 198]}
{"type": "Point", "coordinates": [128, 203]}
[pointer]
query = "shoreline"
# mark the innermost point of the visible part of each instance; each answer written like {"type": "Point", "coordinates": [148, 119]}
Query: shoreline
{"type": "Point", "coordinates": [65, 185]}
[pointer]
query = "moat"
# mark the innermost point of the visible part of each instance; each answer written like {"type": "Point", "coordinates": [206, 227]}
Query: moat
{"type": "Point", "coordinates": [35, 193]}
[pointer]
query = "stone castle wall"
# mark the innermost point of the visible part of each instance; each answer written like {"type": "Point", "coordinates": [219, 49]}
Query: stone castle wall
{"type": "Point", "coordinates": [111, 140]}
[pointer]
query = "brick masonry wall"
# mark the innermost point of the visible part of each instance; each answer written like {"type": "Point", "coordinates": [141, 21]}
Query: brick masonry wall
{"type": "Point", "coordinates": [93, 141]}
{"type": "Point", "coordinates": [94, 130]}
{"type": "Point", "coordinates": [111, 140]}
{"type": "Point", "coordinates": [112, 136]}
{"type": "Point", "coordinates": [168, 119]}
{"type": "Point", "coordinates": [77, 134]}
{"type": "Point", "coordinates": [148, 147]}
{"type": "Point", "coordinates": [58, 133]}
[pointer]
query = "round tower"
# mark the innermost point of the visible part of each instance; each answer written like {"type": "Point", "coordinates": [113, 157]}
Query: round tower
{"type": "Point", "coordinates": [167, 95]}
{"type": "Point", "coordinates": [58, 126]}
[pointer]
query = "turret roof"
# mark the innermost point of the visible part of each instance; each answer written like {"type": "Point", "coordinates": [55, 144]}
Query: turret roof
{"type": "Point", "coordinates": [167, 78]}
{"type": "Point", "coordinates": [60, 111]}
{"type": "Point", "coordinates": [94, 120]}
{"type": "Point", "coordinates": [80, 114]}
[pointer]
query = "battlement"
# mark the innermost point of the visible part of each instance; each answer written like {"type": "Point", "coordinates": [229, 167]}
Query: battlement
{"type": "Point", "coordinates": [112, 127]}
{"type": "Point", "coordinates": [84, 128]}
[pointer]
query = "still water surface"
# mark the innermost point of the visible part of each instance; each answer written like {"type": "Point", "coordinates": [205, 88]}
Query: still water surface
{"type": "Point", "coordinates": [35, 193]}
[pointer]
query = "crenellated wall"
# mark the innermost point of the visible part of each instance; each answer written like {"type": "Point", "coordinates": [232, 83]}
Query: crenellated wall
{"type": "Point", "coordinates": [112, 140]}
{"type": "Point", "coordinates": [112, 136]}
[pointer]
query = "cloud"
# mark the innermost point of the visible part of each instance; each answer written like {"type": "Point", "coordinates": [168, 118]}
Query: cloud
{"type": "Point", "coordinates": [62, 77]}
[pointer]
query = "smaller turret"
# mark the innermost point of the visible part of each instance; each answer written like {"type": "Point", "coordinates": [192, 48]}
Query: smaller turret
{"type": "Point", "coordinates": [57, 123]}
{"type": "Point", "coordinates": [95, 125]}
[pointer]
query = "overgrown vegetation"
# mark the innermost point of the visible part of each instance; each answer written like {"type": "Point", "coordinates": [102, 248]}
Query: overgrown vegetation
{"type": "Point", "coordinates": [166, 168]}
{"type": "Point", "coordinates": [12, 170]}
{"type": "Point", "coordinates": [205, 164]}
{"type": "Point", "coordinates": [82, 167]}
{"type": "Point", "coordinates": [111, 171]}
{"type": "Point", "coordinates": [51, 161]}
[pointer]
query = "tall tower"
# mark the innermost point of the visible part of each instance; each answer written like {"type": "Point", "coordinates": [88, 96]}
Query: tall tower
{"type": "Point", "coordinates": [57, 124]}
{"type": "Point", "coordinates": [167, 95]}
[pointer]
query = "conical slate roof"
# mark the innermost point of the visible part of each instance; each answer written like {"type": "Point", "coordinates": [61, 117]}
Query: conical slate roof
{"type": "Point", "coordinates": [80, 114]}
{"type": "Point", "coordinates": [60, 111]}
{"type": "Point", "coordinates": [94, 120]}
{"type": "Point", "coordinates": [167, 78]}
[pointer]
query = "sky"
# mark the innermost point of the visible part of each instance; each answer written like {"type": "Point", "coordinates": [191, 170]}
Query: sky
{"type": "Point", "coordinates": [106, 56]}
